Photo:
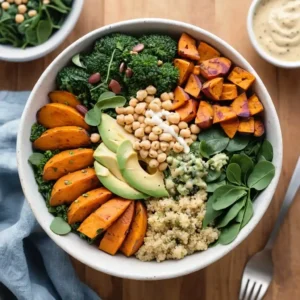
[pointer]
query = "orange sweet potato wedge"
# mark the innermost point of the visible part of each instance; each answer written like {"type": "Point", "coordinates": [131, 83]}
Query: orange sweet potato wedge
{"type": "Point", "coordinates": [215, 67]}
{"type": "Point", "coordinates": [69, 187]}
{"type": "Point", "coordinates": [64, 97]}
{"type": "Point", "coordinates": [87, 203]}
{"type": "Point", "coordinates": [255, 106]}
{"type": "Point", "coordinates": [56, 115]}
{"type": "Point", "coordinates": [180, 97]}
{"type": "Point", "coordinates": [138, 228]}
{"type": "Point", "coordinates": [259, 127]}
{"type": "Point", "coordinates": [223, 113]}
{"type": "Point", "coordinates": [240, 106]}
{"type": "Point", "coordinates": [230, 127]}
{"type": "Point", "coordinates": [65, 137]}
{"type": "Point", "coordinates": [188, 111]}
{"type": "Point", "coordinates": [67, 161]}
{"type": "Point", "coordinates": [187, 47]}
{"type": "Point", "coordinates": [103, 217]}
{"type": "Point", "coordinates": [185, 69]}
{"type": "Point", "coordinates": [246, 125]}
{"type": "Point", "coordinates": [204, 117]}
{"type": "Point", "coordinates": [197, 70]}
{"type": "Point", "coordinates": [117, 232]}
{"type": "Point", "coordinates": [241, 77]}
{"type": "Point", "coordinates": [193, 86]}
{"type": "Point", "coordinates": [212, 89]}
{"type": "Point", "coordinates": [229, 92]}
{"type": "Point", "coordinates": [207, 52]}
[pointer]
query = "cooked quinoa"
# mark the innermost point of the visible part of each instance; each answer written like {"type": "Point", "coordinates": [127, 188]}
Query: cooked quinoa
{"type": "Point", "coordinates": [175, 228]}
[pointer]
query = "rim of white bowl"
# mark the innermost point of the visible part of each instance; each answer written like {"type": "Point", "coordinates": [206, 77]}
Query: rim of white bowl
{"type": "Point", "coordinates": [265, 55]}
{"type": "Point", "coordinates": [14, 54]}
{"type": "Point", "coordinates": [188, 264]}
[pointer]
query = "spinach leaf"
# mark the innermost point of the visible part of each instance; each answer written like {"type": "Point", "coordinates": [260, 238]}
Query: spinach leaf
{"type": "Point", "coordinates": [205, 149]}
{"type": "Point", "coordinates": [229, 233]}
{"type": "Point", "coordinates": [43, 31]}
{"type": "Point", "coordinates": [266, 151]}
{"type": "Point", "coordinates": [210, 214]}
{"type": "Point", "coordinates": [106, 95]}
{"type": "Point", "coordinates": [31, 37]}
{"type": "Point", "coordinates": [93, 117]}
{"type": "Point", "coordinates": [36, 158]}
{"type": "Point", "coordinates": [234, 173]}
{"type": "Point", "coordinates": [60, 226]}
{"type": "Point", "coordinates": [261, 175]}
{"type": "Point", "coordinates": [240, 215]}
{"type": "Point", "coordinates": [245, 163]}
{"type": "Point", "coordinates": [238, 143]}
{"type": "Point", "coordinates": [211, 187]}
{"type": "Point", "coordinates": [212, 175]}
{"type": "Point", "coordinates": [113, 102]}
{"type": "Point", "coordinates": [248, 213]}
{"type": "Point", "coordinates": [60, 4]}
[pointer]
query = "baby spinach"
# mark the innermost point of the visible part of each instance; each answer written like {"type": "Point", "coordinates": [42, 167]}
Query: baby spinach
{"type": "Point", "coordinates": [36, 158]}
{"type": "Point", "coordinates": [238, 143]}
{"type": "Point", "coordinates": [211, 187]}
{"type": "Point", "coordinates": [229, 233]}
{"type": "Point", "coordinates": [77, 62]}
{"type": "Point", "coordinates": [60, 226]}
{"type": "Point", "coordinates": [248, 213]}
{"type": "Point", "coordinates": [234, 173]}
{"type": "Point", "coordinates": [266, 151]}
{"type": "Point", "coordinates": [261, 175]}
{"type": "Point", "coordinates": [93, 117]}
{"type": "Point", "coordinates": [213, 175]}
{"type": "Point", "coordinates": [43, 31]}
{"type": "Point", "coordinates": [211, 214]}
{"type": "Point", "coordinates": [245, 163]}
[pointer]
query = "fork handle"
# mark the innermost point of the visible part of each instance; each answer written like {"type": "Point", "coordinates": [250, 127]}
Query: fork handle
{"type": "Point", "coordinates": [288, 200]}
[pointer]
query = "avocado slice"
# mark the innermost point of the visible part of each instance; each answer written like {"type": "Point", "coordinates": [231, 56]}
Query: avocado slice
{"type": "Point", "coordinates": [150, 184]}
{"type": "Point", "coordinates": [115, 185]}
{"type": "Point", "coordinates": [108, 159]}
{"type": "Point", "coordinates": [112, 134]}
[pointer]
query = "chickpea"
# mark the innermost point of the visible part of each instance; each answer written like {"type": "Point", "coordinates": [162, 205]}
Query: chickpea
{"type": "Point", "coordinates": [195, 129]}
{"type": "Point", "coordinates": [5, 5]}
{"type": "Point", "coordinates": [159, 62]}
{"type": "Point", "coordinates": [128, 119]}
{"type": "Point", "coordinates": [194, 137]}
{"type": "Point", "coordinates": [162, 166]}
{"type": "Point", "coordinates": [152, 153]}
{"type": "Point", "coordinates": [164, 97]}
{"type": "Point", "coordinates": [133, 102]}
{"type": "Point", "coordinates": [189, 141]}
{"type": "Point", "coordinates": [135, 125]}
{"type": "Point", "coordinates": [151, 90]}
{"type": "Point", "coordinates": [143, 125]}
{"type": "Point", "coordinates": [128, 128]}
{"type": "Point", "coordinates": [172, 145]}
{"type": "Point", "coordinates": [167, 105]}
{"type": "Point", "coordinates": [19, 18]}
{"type": "Point", "coordinates": [9, 1]}
{"type": "Point", "coordinates": [149, 99]}
{"type": "Point", "coordinates": [141, 119]}
{"type": "Point", "coordinates": [95, 137]}
{"type": "Point", "coordinates": [144, 153]}
{"type": "Point", "coordinates": [176, 128]}
{"type": "Point", "coordinates": [165, 137]}
{"type": "Point", "coordinates": [121, 119]}
{"type": "Point", "coordinates": [171, 95]}
{"type": "Point", "coordinates": [148, 129]}
{"type": "Point", "coordinates": [183, 125]}
{"type": "Point", "coordinates": [154, 107]}
{"type": "Point", "coordinates": [153, 136]}
{"type": "Point", "coordinates": [177, 148]}
{"type": "Point", "coordinates": [140, 108]}
{"type": "Point", "coordinates": [164, 146]}
{"type": "Point", "coordinates": [137, 146]}
{"type": "Point", "coordinates": [32, 13]}
{"type": "Point", "coordinates": [156, 101]}
{"type": "Point", "coordinates": [129, 110]}
{"type": "Point", "coordinates": [24, 1]}
{"type": "Point", "coordinates": [18, 2]}
{"type": "Point", "coordinates": [161, 157]}
{"type": "Point", "coordinates": [145, 144]}
{"type": "Point", "coordinates": [46, 1]}
{"type": "Point", "coordinates": [155, 145]}
{"type": "Point", "coordinates": [174, 118]}
{"type": "Point", "coordinates": [141, 95]}
{"type": "Point", "coordinates": [149, 121]}
{"type": "Point", "coordinates": [145, 138]}
{"type": "Point", "coordinates": [139, 133]}
{"type": "Point", "coordinates": [157, 130]}
{"type": "Point", "coordinates": [153, 163]}
{"type": "Point", "coordinates": [185, 133]}
{"type": "Point", "coordinates": [159, 151]}
{"type": "Point", "coordinates": [148, 114]}
{"type": "Point", "coordinates": [120, 110]}
{"type": "Point", "coordinates": [22, 9]}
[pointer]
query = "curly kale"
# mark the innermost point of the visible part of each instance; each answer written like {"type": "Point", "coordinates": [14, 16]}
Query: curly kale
{"type": "Point", "coordinates": [167, 79]}
{"type": "Point", "coordinates": [36, 131]}
{"type": "Point", "coordinates": [161, 46]}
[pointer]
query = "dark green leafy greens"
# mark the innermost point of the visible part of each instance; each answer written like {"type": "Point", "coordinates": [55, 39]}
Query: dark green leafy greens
{"type": "Point", "coordinates": [36, 131]}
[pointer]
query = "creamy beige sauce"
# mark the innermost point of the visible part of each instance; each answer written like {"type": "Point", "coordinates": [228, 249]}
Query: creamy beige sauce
{"type": "Point", "coordinates": [276, 25]}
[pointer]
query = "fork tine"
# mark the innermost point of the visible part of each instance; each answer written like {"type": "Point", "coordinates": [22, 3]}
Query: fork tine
{"type": "Point", "coordinates": [262, 292]}
{"type": "Point", "coordinates": [256, 291]}
{"type": "Point", "coordinates": [251, 286]}
{"type": "Point", "coordinates": [244, 287]}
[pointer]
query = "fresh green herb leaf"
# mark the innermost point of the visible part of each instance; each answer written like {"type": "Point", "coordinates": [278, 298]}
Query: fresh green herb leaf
{"type": "Point", "coordinates": [248, 213]}
{"type": "Point", "coordinates": [106, 95]}
{"type": "Point", "coordinates": [211, 187]}
{"type": "Point", "coordinates": [205, 149]}
{"type": "Point", "coordinates": [234, 173]}
{"type": "Point", "coordinates": [213, 175]}
{"type": "Point", "coordinates": [229, 233]}
{"type": "Point", "coordinates": [245, 163]}
{"type": "Point", "coordinates": [240, 216]}
{"type": "Point", "coordinates": [238, 143]}
{"type": "Point", "coordinates": [43, 31]}
{"type": "Point", "coordinates": [266, 151]}
{"type": "Point", "coordinates": [210, 214]}
{"type": "Point", "coordinates": [36, 158]}
{"type": "Point", "coordinates": [60, 226]}
{"type": "Point", "coordinates": [113, 102]}
{"type": "Point", "coordinates": [67, 182]}
{"type": "Point", "coordinates": [93, 117]}
{"type": "Point", "coordinates": [77, 62]}
{"type": "Point", "coordinates": [261, 175]}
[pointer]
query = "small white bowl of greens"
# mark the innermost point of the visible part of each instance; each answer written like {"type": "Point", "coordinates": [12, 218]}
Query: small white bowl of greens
{"type": "Point", "coordinates": [31, 29]}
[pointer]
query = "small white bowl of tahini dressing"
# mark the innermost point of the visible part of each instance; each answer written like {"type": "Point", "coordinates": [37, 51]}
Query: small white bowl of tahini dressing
{"type": "Point", "coordinates": [274, 31]}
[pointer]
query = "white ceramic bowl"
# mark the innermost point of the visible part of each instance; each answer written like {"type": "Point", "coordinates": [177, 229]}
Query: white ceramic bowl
{"type": "Point", "coordinates": [119, 265]}
{"type": "Point", "coordinates": [14, 54]}
{"type": "Point", "coordinates": [265, 55]}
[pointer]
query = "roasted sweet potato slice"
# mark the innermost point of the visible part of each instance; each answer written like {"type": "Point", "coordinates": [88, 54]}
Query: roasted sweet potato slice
{"type": "Point", "coordinates": [187, 47]}
{"type": "Point", "coordinates": [185, 69]}
{"type": "Point", "coordinates": [87, 203]}
{"type": "Point", "coordinates": [67, 161]}
{"type": "Point", "coordinates": [117, 232]}
{"type": "Point", "coordinates": [204, 117]}
{"type": "Point", "coordinates": [138, 228]}
{"type": "Point", "coordinates": [197, 70]}
{"type": "Point", "coordinates": [65, 137]}
{"type": "Point", "coordinates": [69, 187]}
{"type": "Point", "coordinates": [229, 92]}
{"type": "Point", "coordinates": [207, 52]}
{"type": "Point", "coordinates": [180, 97]}
{"type": "Point", "coordinates": [240, 106]}
{"type": "Point", "coordinates": [64, 97]}
{"type": "Point", "coordinates": [188, 111]}
{"type": "Point", "coordinates": [212, 89]}
{"type": "Point", "coordinates": [103, 217]}
{"type": "Point", "coordinates": [246, 125]}
{"type": "Point", "coordinates": [193, 86]}
{"type": "Point", "coordinates": [56, 115]}
{"type": "Point", "coordinates": [223, 113]}
{"type": "Point", "coordinates": [255, 106]}
{"type": "Point", "coordinates": [215, 67]}
{"type": "Point", "coordinates": [259, 127]}
{"type": "Point", "coordinates": [230, 127]}
{"type": "Point", "coordinates": [241, 77]}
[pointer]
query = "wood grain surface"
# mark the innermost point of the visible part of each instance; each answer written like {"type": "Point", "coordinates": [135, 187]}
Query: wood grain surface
{"type": "Point", "coordinates": [220, 281]}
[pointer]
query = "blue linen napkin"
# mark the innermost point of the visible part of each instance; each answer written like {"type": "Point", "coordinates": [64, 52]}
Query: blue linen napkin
{"type": "Point", "coordinates": [32, 267]}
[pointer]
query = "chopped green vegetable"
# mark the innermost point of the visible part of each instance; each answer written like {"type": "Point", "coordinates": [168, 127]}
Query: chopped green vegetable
{"type": "Point", "coordinates": [60, 226]}
{"type": "Point", "coordinates": [36, 131]}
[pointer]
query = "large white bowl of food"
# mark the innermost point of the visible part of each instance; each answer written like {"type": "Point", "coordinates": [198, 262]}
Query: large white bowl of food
{"type": "Point", "coordinates": [149, 149]}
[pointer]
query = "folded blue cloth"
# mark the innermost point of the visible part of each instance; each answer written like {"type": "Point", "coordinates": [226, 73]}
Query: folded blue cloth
{"type": "Point", "coordinates": [32, 267]}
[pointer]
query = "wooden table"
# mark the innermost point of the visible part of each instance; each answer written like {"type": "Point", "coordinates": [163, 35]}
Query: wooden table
{"type": "Point", "coordinates": [220, 281]}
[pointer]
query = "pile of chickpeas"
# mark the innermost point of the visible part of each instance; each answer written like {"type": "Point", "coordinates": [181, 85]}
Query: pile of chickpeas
{"type": "Point", "coordinates": [153, 144]}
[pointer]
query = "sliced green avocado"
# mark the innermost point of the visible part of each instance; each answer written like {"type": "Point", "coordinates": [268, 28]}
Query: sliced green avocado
{"type": "Point", "coordinates": [150, 184]}
{"type": "Point", "coordinates": [108, 159]}
{"type": "Point", "coordinates": [115, 185]}
{"type": "Point", "coordinates": [112, 133]}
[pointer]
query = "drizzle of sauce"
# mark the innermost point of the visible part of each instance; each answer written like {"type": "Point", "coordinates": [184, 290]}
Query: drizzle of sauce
{"type": "Point", "coordinates": [158, 121]}
{"type": "Point", "coordinates": [276, 25]}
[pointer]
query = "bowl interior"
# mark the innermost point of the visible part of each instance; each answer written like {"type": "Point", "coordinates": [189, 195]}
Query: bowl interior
{"type": "Point", "coordinates": [119, 265]}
